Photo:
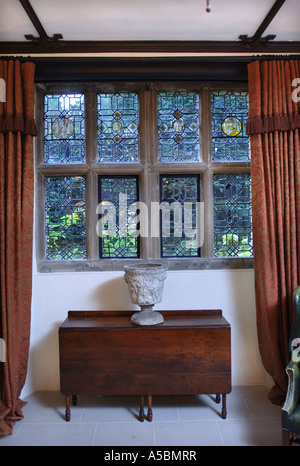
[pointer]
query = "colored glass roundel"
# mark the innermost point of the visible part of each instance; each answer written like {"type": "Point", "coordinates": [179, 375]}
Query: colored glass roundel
{"type": "Point", "coordinates": [178, 127]}
{"type": "Point", "coordinates": [118, 132]}
{"type": "Point", "coordinates": [63, 128]}
{"type": "Point", "coordinates": [229, 113]}
{"type": "Point", "coordinates": [231, 126]}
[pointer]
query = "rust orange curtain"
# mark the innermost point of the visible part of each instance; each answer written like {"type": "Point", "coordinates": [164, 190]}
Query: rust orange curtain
{"type": "Point", "coordinates": [17, 128]}
{"type": "Point", "coordinates": [273, 125]}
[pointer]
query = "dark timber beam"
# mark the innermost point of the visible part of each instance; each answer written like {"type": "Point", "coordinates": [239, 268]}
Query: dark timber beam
{"type": "Point", "coordinates": [75, 69]}
{"type": "Point", "coordinates": [234, 47]}
{"type": "Point", "coordinates": [257, 38]}
{"type": "Point", "coordinates": [43, 39]}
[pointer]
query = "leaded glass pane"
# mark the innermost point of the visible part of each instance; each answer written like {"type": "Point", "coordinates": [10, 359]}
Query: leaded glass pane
{"type": "Point", "coordinates": [65, 218]}
{"type": "Point", "coordinates": [118, 122]}
{"type": "Point", "coordinates": [229, 113]}
{"type": "Point", "coordinates": [118, 235]}
{"type": "Point", "coordinates": [64, 128]}
{"type": "Point", "coordinates": [232, 215]}
{"type": "Point", "coordinates": [178, 127]}
{"type": "Point", "coordinates": [177, 194]}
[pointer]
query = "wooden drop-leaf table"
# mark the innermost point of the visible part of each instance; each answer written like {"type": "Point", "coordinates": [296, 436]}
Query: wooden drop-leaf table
{"type": "Point", "coordinates": [103, 353]}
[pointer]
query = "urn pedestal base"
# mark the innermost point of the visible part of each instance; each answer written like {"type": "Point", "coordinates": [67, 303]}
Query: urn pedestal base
{"type": "Point", "coordinates": [147, 316]}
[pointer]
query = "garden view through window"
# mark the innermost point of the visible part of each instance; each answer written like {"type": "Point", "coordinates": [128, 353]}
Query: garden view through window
{"type": "Point", "coordinates": [105, 165]}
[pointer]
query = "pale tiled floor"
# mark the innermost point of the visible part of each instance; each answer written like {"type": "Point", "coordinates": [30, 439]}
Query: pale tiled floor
{"type": "Point", "coordinates": [252, 420]}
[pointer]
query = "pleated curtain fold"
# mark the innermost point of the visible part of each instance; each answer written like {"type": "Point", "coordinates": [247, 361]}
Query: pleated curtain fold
{"type": "Point", "coordinates": [17, 129]}
{"type": "Point", "coordinates": [273, 126]}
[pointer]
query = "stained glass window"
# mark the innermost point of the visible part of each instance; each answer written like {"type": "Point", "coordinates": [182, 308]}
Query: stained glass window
{"type": "Point", "coordinates": [117, 228]}
{"type": "Point", "coordinates": [64, 128]}
{"type": "Point", "coordinates": [65, 218]}
{"type": "Point", "coordinates": [178, 127]}
{"type": "Point", "coordinates": [118, 122]}
{"type": "Point", "coordinates": [232, 215]}
{"type": "Point", "coordinates": [179, 198]}
{"type": "Point", "coordinates": [154, 136]}
{"type": "Point", "coordinates": [229, 113]}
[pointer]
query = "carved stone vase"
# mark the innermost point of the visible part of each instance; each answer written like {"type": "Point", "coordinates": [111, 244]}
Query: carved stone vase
{"type": "Point", "coordinates": [145, 283]}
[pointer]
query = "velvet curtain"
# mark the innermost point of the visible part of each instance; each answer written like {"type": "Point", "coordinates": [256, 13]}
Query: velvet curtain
{"type": "Point", "coordinates": [273, 125]}
{"type": "Point", "coordinates": [17, 128]}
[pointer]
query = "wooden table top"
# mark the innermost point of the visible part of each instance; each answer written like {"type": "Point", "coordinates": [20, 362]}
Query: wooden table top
{"type": "Point", "coordinates": [121, 319]}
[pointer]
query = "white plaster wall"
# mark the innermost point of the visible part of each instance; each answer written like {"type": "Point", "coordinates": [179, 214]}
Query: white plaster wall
{"type": "Point", "coordinates": [56, 293]}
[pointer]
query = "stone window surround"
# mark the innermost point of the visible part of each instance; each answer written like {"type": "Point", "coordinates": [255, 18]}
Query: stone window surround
{"type": "Point", "coordinates": [148, 171]}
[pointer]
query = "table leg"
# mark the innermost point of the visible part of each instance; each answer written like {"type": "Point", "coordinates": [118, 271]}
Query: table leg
{"type": "Point", "coordinates": [141, 413]}
{"type": "Point", "coordinates": [68, 412]}
{"type": "Point", "coordinates": [74, 400]}
{"type": "Point", "coordinates": [224, 410]}
{"type": "Point", "coordinates": [149, 414]}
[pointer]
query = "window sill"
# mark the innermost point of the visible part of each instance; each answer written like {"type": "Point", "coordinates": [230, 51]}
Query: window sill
{"type": "Point", "coordinates": [114, 265]}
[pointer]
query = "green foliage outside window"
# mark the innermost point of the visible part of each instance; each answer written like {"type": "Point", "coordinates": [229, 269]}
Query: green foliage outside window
{"type": "Point", "coordinates": [65, 218]}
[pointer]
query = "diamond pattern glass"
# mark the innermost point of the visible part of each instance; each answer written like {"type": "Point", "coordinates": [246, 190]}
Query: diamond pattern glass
{"type": "Point", "coordinates": [118, 122]}
{"type": "Point", "coordinates": [229, 113]}
{"type": "Point", "coordinates": [178, 189]}
{"type": "Point", "coordinates": [65, 218]}
{"type": "Point", "coordinates": [178, 127]}
{"type": "Point", "coordinates": [123, 242]}
{"type": "Point", "coordinates": [232, 215]}
{"type": "Point", "coordinates": [64, 128]}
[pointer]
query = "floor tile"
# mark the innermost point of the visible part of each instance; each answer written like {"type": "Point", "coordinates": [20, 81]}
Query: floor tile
{"type": "Point", "coordinates": [125, 434]}
{"type": "Point", "coordinates": [256, 399]}
{"type": "Point", "coordinates": [205, 407]}
{"type": "Point", "coordinates": [49, 407]}
{"type": "Point", "coordinates": [111, 409]}
{"type": "Point", "coordinates": [187, 433]}
{"type": "Point", "coordinates": [55, 435]}
{"type": "Point", "coordinates": [196, 407]}
{"type": "Point", "coordinates": [7, 441]}
{"type": "Point", "coordinates": [251, 432]}
{"type": "Point", "coordinates": [164, 408]}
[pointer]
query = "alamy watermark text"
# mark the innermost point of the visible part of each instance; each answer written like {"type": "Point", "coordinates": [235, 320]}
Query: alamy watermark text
{"type": "Point", "coordinates": [296, 92]}
{"type": "Point", "coordinates": [2, 350]}
{"type": "Point", "coordinates": [163, 218]}
{"type": "Point", "coordinates": [2, 90]}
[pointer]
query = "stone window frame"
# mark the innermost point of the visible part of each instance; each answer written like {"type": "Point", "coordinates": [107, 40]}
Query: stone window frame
{"type": "Point", "coordinates": [148, 170]}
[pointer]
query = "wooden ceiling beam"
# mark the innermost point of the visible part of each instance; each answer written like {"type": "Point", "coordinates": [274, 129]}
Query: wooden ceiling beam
{"type": "Point", "coordinates": [257, 37]}
{"type": "Point", "coordinates": [93, 47]}
{"type": "Point", "coordinates": [43, 39]}
{"type": "Point", "coordinates": [107, 69]}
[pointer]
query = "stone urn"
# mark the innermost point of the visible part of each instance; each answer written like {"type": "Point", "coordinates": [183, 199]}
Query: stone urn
{"type": "Point", "coordinates": [145, 283]}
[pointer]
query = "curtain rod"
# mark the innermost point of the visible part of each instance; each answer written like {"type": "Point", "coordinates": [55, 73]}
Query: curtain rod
{"type": "Point", "coordinates": [15, 57]}
{"type": "Point", "coordinates": [275, 57]}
